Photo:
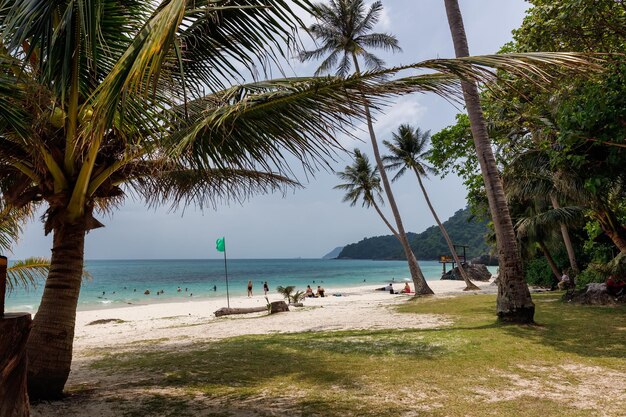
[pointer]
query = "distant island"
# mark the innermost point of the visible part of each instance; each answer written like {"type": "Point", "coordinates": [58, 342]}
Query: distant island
{"type": "Point", "coordinates": [462, 227]}
{"type": "Point", "coordinates": [333, 253]}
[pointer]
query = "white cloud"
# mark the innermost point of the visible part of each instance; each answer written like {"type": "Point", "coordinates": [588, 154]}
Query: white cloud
{"type": "Point", "coordinates": [406, 109]}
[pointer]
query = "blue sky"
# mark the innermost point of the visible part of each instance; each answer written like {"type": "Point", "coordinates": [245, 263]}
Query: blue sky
{"type": "Point", "coordinates": [311, 221]}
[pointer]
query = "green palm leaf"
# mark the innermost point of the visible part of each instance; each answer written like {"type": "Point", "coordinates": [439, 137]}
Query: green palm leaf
{"type": "Point", "coordinates": [27, 273]}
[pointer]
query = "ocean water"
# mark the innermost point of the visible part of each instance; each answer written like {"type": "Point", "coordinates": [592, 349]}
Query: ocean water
{"type": "Point", "coordinates": [117, 283]}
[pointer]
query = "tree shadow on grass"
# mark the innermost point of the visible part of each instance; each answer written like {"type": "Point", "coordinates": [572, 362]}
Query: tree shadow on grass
{"type": "Point", "coordinates": [308, 374]}
{"type": "Point", "coordinates": [589, 331]}
{"type": "Point", "coordinates": [254, 406]}
{"type": "Point", "coordinates": [244, 362]}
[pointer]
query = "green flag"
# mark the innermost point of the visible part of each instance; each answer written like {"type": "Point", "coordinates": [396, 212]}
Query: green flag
{"type": "Point", "coordinates": [220, 244]}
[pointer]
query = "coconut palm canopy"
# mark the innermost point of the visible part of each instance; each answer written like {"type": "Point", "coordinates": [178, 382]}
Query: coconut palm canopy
{"type": "Point", "coordinates": [345, 28]}
{"type": "Point", "coordinates": [361, 181]}
{"type": "Point", "coordinates": [408, 151]}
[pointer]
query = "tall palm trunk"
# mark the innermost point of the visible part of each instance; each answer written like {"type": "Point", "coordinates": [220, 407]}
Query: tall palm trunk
{"type": "Point", "coordinates": [566, 240]}
{"type": "Point", "coordinates": [555, 271]}
{"type": "Point", "coordinates": [382, 216]}
{"type": "Point", "coordinates": [513, 303]}
{"type": "Point", "coordinates": [52, 337]}
{"type": "Point", "coordinates": [469, 285]}
{"type": "Point", "coordinates": [421, 287]}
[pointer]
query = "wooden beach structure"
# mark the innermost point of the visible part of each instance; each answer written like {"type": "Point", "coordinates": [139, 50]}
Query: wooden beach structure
{"type": "Point", "coordinates": [448, 259]}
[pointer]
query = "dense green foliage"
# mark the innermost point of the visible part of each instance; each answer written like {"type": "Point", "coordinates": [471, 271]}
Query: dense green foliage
{"type": "Point", "coordinates": [463, 228]}
{"type": "Point", "coordinates": [561, 150]}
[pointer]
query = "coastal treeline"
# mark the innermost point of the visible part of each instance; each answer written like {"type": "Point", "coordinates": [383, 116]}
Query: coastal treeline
{"type": "Point", "coordinates": [463, 227]}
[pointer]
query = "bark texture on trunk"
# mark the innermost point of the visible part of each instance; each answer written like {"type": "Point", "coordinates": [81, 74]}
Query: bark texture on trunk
{"type": "Point", "coordinates": [14, 330]}
{"type": "Point", "coordinates": [612, 228]}
{"type": "Point", "coordinates": [618, 239]}
{"type": "Point", "coordinates": [51, 340]}
{"type": "Point", "coordinates": [566, 240]}
{"type": "Point", "coordinates": [469, 285]}
{"type": "Point", "coordinates": [421, 287]}
{"type": "Point", "coordinates": [514, 303]}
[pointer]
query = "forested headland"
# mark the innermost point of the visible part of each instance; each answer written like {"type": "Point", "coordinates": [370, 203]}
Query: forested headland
{"type": "Point", "coordinates": [463, 228]}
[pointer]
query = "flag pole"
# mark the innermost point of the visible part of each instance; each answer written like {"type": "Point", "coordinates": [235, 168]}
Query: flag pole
{"type": "Point", "coordinates": [226, 271]}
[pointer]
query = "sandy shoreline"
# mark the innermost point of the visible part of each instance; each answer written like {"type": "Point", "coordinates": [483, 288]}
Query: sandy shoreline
{"type": "Point", "coordinates": [357, 308]}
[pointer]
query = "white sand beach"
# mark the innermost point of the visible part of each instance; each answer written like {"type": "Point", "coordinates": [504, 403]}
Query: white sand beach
{"type": "Point", "coordinates": [186, 322]}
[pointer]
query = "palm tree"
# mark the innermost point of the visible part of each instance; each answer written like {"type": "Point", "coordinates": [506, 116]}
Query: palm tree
{"type": "Point", "coordinates": [529, 176]}
{"type": "Point", "coordinates": [514, 303]}
{"type": "Point", "coordinates": [409, 150]}
{"type": "Point", "coordinates": [538, 224]}
{"type": "Point", "coordinates": [363, 182]}
{"type": "Point", "coordinates": [344, 30]}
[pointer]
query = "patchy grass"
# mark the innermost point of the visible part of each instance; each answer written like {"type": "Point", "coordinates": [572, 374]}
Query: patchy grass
{"type": "Point", "coordinates": [572, 363]}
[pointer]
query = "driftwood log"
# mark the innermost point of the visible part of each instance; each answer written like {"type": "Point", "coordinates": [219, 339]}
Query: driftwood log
{"type": "Point", "coordinates": [14, 331]}
{"type": "Point", "coordinates": [276, 307]}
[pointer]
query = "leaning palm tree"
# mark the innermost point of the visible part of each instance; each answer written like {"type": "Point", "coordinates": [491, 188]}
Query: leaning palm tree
{"type": "Point", "coordinates": [344, 29]}
{"type": "Point", "coordinates": [363, 183]}
{"type": "Point", "coordinates": [409, 149]}
{"type": "Point", "coordinates": [514, 303]}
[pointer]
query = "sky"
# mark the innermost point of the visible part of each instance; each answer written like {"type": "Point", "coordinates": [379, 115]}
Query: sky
{"type": "Point", "coordinates": [311, 221]}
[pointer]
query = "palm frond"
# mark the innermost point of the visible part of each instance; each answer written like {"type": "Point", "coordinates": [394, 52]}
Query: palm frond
{"type": "Point", "coordinates": [27, 273]}
{"type": "Point", "coordinates": [552, 219]}
{"type": "Point", "coordinates": [182, 186]}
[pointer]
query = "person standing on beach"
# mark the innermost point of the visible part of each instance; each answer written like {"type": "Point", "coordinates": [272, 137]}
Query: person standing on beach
{"type": "Point", "coordinates": [249, 288]}
{"type": "Point", "coordinates": [266, 288]}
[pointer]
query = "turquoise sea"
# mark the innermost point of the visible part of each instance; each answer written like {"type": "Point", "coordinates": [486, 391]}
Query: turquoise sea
{"type": "Point", "coordinates": [118, 283]}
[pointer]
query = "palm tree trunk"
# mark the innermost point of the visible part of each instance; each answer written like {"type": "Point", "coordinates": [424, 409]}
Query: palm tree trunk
{"type": "Point", "coordinates": [617, 238]}
{"type": "Point", "coordinates": [566, 240]}
{"type": "Point", "coordinates": [612, 228]}
{"type": "Point", "coordinates": [550, 259]}
{"type": "Point", "coordinates": [469, 285]}
{"type": "Point", "coordinates": [421, 287]}
{"type": "Point", "coordinates": [51, 340]}
{"type": "Point", "coordinates": [514, 303]}
{"type": "Point", "coordinates": [382, 216]}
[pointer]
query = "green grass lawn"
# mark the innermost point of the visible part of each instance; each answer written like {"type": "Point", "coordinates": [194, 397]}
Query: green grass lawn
{"type": "Point", "coordinates": [572, 363]}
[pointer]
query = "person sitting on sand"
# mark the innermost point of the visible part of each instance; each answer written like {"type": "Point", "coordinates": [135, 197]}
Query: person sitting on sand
{"type": "Point", "coordinates": [309, 291]}
{"type": "Point", "coordinates": [407, 288]}
{"type": "Point", "coordinates": [320, 291]}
